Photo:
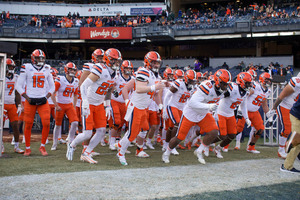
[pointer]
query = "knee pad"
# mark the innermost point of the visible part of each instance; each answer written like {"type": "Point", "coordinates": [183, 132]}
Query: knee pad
{"type": "Point", "coordinates": [75, 123]}
{"type": "Point", "coordinates": [142, 134]}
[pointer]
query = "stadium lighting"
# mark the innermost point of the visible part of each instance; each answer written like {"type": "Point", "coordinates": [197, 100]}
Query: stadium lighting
{"type": "Point", "coordinates": [23, 40]}
{"type": "Point", "coordinates": [68, 41]}
{"type": "Point", "coordinates": [207, 37]}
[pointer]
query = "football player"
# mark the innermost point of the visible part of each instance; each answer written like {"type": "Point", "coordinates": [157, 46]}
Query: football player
{"type": "Point", "coordinates": [66, 88]}
{"type": "Point", "coordinates": [11, 99]}
{"type": "Point", "coordinates": [196, 112]}
{"type": "Point", "coordinates": [96, 109]}
{"type": "Point", "coordinates": [39, 87]}
{"type": "Point", "coordinates": [136, 113]}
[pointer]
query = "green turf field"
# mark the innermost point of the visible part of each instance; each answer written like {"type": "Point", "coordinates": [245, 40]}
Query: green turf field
{"type": "Point", "coordinates": [16, 164]}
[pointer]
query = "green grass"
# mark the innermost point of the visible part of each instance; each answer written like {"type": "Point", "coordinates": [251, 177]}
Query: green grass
{"type": "Point", "coordinates": [56, 162]}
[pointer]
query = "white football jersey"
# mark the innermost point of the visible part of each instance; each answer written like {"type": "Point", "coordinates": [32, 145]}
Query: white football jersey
{"type": "Point", "coordinates": [9, 93]}
{"type": "Point", "coordinates": [120, 82]}
{"type": "Point", "coordinates": [143, 100]}
{"type": "Point", "coordinates": [179, 98]}
{"type": "Point", "coordinates": [227, 105]}
{"type": "Point", "coordinates": [255, 100]}
{"type": "Point", "coordinates": [289, 101]}
{"type": "Point", "coordinates": [87, 66]}
{"type": "Point", "coordinates": [205, 93]}
{"type": "Point", "coordinates": [37, 81]}
{"type": "Point", "coordinates": [153, 106]}
{"type": "Point", "coordinates": [65, 89]}
{"type": "Point", "coordinates": [97, 91]}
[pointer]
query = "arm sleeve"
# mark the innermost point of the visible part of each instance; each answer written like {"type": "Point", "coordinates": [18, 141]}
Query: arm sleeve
{"type": "Point", "coordinates": [167, 98]}
{"type": "Point", "coordinates": [57, 85]}
{"type": "Point", "coordinates": [84, 88]}
{"type": "Point", "coordinates": [244, 109]}
{"type": "Point", "coordinates": [51, 84]}
{"type": "Point", "coordinates": [20, 83]}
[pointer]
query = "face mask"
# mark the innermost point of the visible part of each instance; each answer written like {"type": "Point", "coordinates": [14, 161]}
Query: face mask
{"type": "Point", "coordinates": [71, 74]}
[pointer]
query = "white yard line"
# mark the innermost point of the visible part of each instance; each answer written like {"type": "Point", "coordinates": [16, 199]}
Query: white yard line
{"type": "Point", "coordinates": [156, 182]}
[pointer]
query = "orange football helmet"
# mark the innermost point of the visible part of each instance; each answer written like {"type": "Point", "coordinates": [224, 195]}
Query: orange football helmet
{"type": "Point", "coordinates": [168, 74]}
{"type": "Point", "coordinates": [10, 63]}
{"type": "Point", "coordinates": [253, 74]}
{"type": "Point", "coordinates": [70, 69]}
{"type": "Point", "coordinates": [244, 79]}
{"type": "Point", "coordinates": [190, 78]}
{"type": "Point", "coordinates": [222, 77]}
{"type": "Point", "coordinates": [97, 56]}
{"type": "Point", "coordinates": [127, 67]}
{"type": "Point", "coordinates": [54, 72]}
{"type": "Point", "coordinates": [38, 58]}
{"type": "Point", "coordinates": [265, 79]}
{"type": "Point", "coordinates": [152, 61]}
{"type": "Point", "coordinates": [113, 58]}
{"type": "Point", "coordinates": [179, 74]}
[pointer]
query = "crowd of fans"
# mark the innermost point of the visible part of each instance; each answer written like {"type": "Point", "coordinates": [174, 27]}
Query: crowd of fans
{"type": "Point", "coordinates": [214, 14]}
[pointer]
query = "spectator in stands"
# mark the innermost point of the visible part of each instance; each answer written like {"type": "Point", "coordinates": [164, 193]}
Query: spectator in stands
{"type": "Point", "coordinates": [89, 21]}
{"type": "Point", "coordinates": [78, 22]}
{"type": "Point", "coordinates": [282, 71]}
{"type": "Point", "coordinates": [198, 65]}
{"type": "Point", "coordinates": [225, 66]}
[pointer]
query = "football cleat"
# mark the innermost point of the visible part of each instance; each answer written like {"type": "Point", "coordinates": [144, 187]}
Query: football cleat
{"type": "Point", "coordinates": [206, 151]}
{"type": "Point", "coordinates": [225, 149]}
{"type": "Point", "coordinates": [27, 152]}
{"type": "Point", "coordinates": [217, 151]}
{"type": "Point", "coordinates": [112, 147]}
{"type": "Point", "coordinates": [70, 152]}
{"type": "Point", "coordinates": [93, 153]}
{"type": "Point", "coordinates": [180, 146]}
{"type": "Point", "coordinates": [141, 154]}
{"type": "Point", "coordinates": [174, 152]}
{"type": "Point", "coordinates": [13, 141]}
{"type": "Point", "coordinates": [88, 158]}
{"type": "Point", "coordinates": [165, 158]}
{"type": "Point", "coordinates": [122, 159]}
{"type": "Point", "coordinates": [199, 156]}
{"type": "Point", "coordinates": [149, 145]}
{"type": "Point", "coordinates": [43, 151]}
{"type": "Point", "coordinates": [251, 149]}
{"type": "Point", "coordinates": [18, 150]}
{"type": "Point", "coordinates": [53, 148]}
{"type": "Point", "coordinates": [281, 153]}
{"type": "Point", "coordinates": [62, 141]}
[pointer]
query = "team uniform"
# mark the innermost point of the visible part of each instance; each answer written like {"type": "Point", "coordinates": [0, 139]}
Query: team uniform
{"type": "Point", "coordinates": [225, 111]}
{"type": "Point", "coordinates": [39, 83]}
{"type": "Point", "coordinates": [253, 104]}
{"type": "Point", "coordinates": [196, 114]}
{"type": "Point", "coordinates": [177, 102]}
{"type": "Point", "coordinates": [283, 110]}
{"type": "Point", "coordinates": [118, 103]}
{"type": "Point", "coordinates": [9, 98]}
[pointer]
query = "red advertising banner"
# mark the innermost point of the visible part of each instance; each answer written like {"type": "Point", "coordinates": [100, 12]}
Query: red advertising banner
{"type": "Point", "coordinates": [106, 33]}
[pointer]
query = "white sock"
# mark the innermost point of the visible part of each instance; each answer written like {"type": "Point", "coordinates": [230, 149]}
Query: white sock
{"type": "Point", "coordinates": [59, 134]}
{"type": "Point", "coordinates": [251, 134]}
{"type": "Point", "coordinates": [163, 134]}
{"type": "Point", "coordinates": [85, 135]}
{"type": "Point", "coordinates": [112, 140]}
{"type": "Point", "coordinates": [238, 137]}
{"type": "Point", "coordinates": [282, 140]}
{"type": "Point", "coordinates": [168, 150]}
{"type": "Point", "coordinates": [56, 131]}
{"type": "Point", "coordinates": [149, 140]}
{"type": "Point", "coordinates": [16, 144]}
{"type": "Point", "coordinates": [72, 131]}
{"type": "Point", "coordinates": [201, 148]}
{"type": "Point", "coordinates": [99, 135]}
{"type": "Point", "coordinates": [124, 142]}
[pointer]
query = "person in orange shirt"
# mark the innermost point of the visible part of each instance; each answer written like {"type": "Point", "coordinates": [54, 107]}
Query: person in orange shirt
{"type": "Point", "coordinates": [69, 23]}
{"type": "Point", "coordinates": [98, 23]}
{"type": "Point", "coordinates": [148, 20]}
{"type": "Point", "coordinates": [129, 23]}
{"type": "Point", "coordinates": [89, 21]}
